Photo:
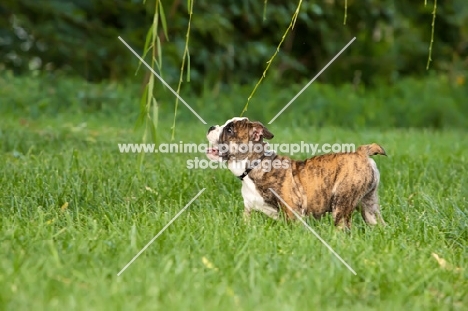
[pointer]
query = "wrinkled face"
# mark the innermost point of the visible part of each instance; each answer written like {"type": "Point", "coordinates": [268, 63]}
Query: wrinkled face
{"type": "Point", "coordinates": [237, 137]}
{"type": "Point", "coordinates": [241, 138]}
{"type": "Point", "coordinates": [213, 137]}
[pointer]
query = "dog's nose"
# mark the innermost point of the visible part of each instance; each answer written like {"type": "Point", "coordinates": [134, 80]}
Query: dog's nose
{"type": "Point", "coordinates": [211, 128]}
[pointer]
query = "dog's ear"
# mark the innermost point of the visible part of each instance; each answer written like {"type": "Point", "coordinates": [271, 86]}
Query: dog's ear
{"type": "Point", "coordinates": [258, 131]}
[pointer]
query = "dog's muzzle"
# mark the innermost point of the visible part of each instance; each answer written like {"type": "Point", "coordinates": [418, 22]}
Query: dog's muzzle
{"type": "Point", "coordinates": [213, 136]}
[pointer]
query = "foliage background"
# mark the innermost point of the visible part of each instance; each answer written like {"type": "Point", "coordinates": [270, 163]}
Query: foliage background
{"type": "Point", "coordinates": [380, 80]}
{"type": "Point", "coordinates": [231, 40]}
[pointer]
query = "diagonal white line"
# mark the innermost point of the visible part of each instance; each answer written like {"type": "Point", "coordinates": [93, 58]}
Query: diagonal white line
{"type": "Point", "coordinates": [313, 79]}
{"type": "Point", "coordinates": [160, 232]}
{"type": "Point", "coordinates": [161, 79]}
{"type": "Point", "coordinates": [313, 231]}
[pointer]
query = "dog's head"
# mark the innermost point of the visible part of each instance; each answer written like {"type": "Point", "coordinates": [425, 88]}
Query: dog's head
{"type": "Point", "coordinates": [232, 139]}
{"type": "Point", "coordinates": [213, 138]}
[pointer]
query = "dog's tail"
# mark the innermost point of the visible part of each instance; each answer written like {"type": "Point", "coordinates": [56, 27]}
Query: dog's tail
{"type": "Point", "coordinates": [371, 150]}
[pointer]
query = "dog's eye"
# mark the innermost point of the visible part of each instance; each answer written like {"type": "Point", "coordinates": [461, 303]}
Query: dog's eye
{"type": "Point", "coordinates": [230, 130]}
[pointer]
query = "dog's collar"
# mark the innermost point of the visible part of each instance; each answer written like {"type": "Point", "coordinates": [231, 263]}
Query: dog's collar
{"type": "Point", "coordinates": [249, 169]}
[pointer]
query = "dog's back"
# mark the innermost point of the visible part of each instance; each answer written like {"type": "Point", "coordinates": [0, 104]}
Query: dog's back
{"type": "Point", "coordinates": [337, 182]}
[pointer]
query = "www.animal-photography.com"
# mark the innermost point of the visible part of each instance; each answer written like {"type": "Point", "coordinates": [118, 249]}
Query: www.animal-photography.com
{"type": "Point", "coordinates": [233, 155]}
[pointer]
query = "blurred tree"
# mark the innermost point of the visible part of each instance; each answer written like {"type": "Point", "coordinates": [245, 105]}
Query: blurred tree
{"type": "Point", "coordinates": [231, 40]}
{"type": "Point", "coordinates": [77, 36]}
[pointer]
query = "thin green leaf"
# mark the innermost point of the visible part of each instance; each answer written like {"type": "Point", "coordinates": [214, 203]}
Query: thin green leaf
{"type": "Point", "coordinates": [159, 61]}
{"type": "Point", "coordinates": [163, 21]}
{"type": "Point", "coordinates": [146, 48]}
{"type": "Point", "coordinates": [141, 117]}
{"type": "Point", "coordinates": [154, 118]}
{"type": "Point", "coordinates": [141, 155]}
{"type": "Point", "coordinates": [345, 12]}
{"type": "Point", "coordinates": [149, 97]}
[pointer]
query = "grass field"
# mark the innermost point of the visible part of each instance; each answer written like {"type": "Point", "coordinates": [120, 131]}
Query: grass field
{"type": "Point", "coordinates": [74, 212]}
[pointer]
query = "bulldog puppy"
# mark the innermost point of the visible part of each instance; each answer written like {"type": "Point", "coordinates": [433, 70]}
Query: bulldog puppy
{"type": "Point", "coordinates": [213, 134]}
{"type": "Point", "coordinates": [334, 183]}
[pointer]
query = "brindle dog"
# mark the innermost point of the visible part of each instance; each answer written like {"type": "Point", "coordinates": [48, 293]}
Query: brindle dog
{"type": "Point", "coordinates": [334, 183]}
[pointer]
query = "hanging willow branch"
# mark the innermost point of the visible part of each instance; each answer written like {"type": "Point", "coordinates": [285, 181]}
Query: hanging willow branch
{"type": "Point", "coordinates": [345, 12]}
{"type": "Point", "coordinates": [148, 103]}
{"type": "Point", "coordinates": [184, 57]}
{"type": "Point", "coordinates": [291, 25]}
{"type": "Point", "coordinates": [434, 12]}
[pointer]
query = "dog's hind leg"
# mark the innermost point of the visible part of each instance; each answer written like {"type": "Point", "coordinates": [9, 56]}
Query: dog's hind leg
{"type": "Point", "coordinates": [341, 221]}
{"type": "Point", "coordinates": [342, 209]}
{"type": "Point", "coordinates": [370, 209]}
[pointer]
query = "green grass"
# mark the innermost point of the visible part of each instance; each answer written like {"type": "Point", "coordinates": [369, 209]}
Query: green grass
{"type": "Point", "coordinates": [56, 257]}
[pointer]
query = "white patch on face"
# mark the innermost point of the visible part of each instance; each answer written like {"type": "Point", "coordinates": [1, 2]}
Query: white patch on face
{"type": "Point", "coordinates": [213, 139]}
